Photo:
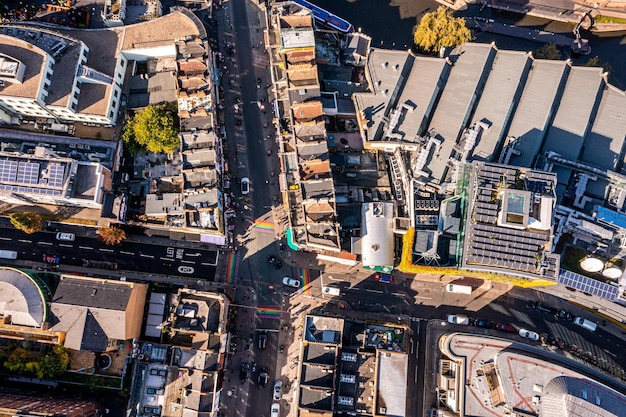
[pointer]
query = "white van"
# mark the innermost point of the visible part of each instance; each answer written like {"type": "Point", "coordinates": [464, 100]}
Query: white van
{"type": "Point", "coordinates": [331, 291]}
{"type": "Point", "coordinates": [587, 324]}
{"type": "Point", "coordinates": [459, 289]}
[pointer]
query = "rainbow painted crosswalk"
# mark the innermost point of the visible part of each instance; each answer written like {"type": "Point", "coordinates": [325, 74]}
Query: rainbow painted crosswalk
{"type": "Point", "coordinates": [232, 267]}
{"type": "Point", "coordinates": [264, 226]}
{"type": "Point", "coordinates": [268, 312]}
{"type": "Point", "coordinates": [305, 281]}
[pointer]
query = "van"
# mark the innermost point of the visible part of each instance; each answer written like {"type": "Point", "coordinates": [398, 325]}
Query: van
{"type": "Point", "coordinates": [331, 291]}
{"type": "Point", "coordinates": [459, 289]}
{"type": "Point", "coordinates": [587, 324]}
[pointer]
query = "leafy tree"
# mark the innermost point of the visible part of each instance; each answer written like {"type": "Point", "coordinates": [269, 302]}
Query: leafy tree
{"type": "Point", "coordinates": [19, 361]}
{"type": "Point", "coordinates": [112, 235]}
{"type": "Point", "coordinates": [154, 130]}
{"type": "Point", "coordinates": [440, 29]}
{"type": "Point", "coordinates": [548, 51]}
{"type": "Point", "coordinates": [27, 222]}
{"type": "Point", "coordinates": [593, 62]}
{"type": "Point", "coordinates": [53, 363]}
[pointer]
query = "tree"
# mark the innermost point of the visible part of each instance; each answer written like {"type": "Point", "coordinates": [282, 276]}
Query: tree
{"type": "Point", "coordinates": [27, 222]}
{"type": "Point", "coordinates": [548, 51]}
{"type": "Point", "coordinates": [440, 29]}
{"type": "Point", "coordinates": [154, 130]}
{"type": "Point", "coordinates": [112, 235]}
{"type": "Point", "coordinates": [19, 361]}
{"type": "Point", "coordinates": [593, 62]}
{"type": "Point", "coordinates": [54, 363]}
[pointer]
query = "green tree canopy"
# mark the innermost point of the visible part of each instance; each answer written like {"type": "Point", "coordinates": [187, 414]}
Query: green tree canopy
{"type": "Point", "coordinates": [155, 129]}
{"type": "Point", "coordinates": [548, 51]}
{"type": "Point", "coordinates": [27, 222]}
{"type": "Point", "coordinates": [440, 29]}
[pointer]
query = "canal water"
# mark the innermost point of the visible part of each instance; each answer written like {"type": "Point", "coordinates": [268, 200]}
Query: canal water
{"type": "Point", "coordinates": [390, 23]}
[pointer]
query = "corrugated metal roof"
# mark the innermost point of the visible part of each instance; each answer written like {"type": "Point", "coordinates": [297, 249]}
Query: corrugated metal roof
{"type": "Point", "coordinates": [533, 109]}
{"type": "Point", "coordinates": [497, 100]}
{"type": "Point", "coordinates": [377, 233]}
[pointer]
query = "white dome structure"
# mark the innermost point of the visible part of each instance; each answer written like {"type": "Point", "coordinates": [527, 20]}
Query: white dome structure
{"type": "Point", "coordinates": [612, 272]}
{"type": "Point", "coordinates": [21, 299]}
{"type": "Point", "coordinates": [591, 264]}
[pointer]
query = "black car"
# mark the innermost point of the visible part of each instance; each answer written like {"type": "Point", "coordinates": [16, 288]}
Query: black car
{"type": "Point", "coordinates": [544, 309]}
{"type": "Point", "coordinates": [562, 314]}
{"type": "Point", "coordinates": [244, 374]}
{"type": "Point", "coordinates": [485, 324]}
{"type": "Point", "coordinates": [263, 378]}
{"type": "Point", "coordinates": [275, 262]}
{"type": "Point", "coordinates": [262, 340]}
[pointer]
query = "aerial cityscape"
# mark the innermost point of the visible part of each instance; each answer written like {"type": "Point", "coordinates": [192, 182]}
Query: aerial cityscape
{"type": "Point", "coordinates": [324, 208]}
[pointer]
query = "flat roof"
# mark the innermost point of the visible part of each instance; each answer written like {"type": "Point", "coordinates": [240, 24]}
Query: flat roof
{"type": "Point", "coordinates": [498, 100]}
{"type": "Point", "coordinates": [33, 59]}
{"type": "Point", "coordinates": [534, 109]}
{"type": "Point", "coordinates": [456, 101]}
{"type": "Point", "coordinates": [377, 233]}
{"type": "Point", "coordinates": [391, 383]}
{"type": "Point", "coordinates": [571, 120]}
{"type": "Point", "coordinates": [603, 144]}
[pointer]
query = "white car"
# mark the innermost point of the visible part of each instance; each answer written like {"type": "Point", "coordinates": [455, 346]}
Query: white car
{"type": "Point", "coordinates": [528, 334]}
{"type": "Point", "coordinates": [245, 185]}
{"type": "Point", "coordinates": [458, 319]}
{"type": "Point", "coordinates": [275, 410]}
{"type": "Point", "coordinates": [66, 236]}
{"type": "Point", "coordinates": [291, 282]}
{"type": "Point", "coordinates": [278, 385]}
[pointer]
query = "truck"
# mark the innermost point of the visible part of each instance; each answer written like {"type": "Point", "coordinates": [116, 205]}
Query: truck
{"type": "Point", "coordinates": [8, 254]}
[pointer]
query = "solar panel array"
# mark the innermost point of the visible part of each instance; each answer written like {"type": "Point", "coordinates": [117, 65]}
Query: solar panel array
{"type": "Point", "coordinates": [56, 172]}
{"type": "Point", "coordinates": [46, 191]}
{"type": "Point", "coordinates": [588, 285]}
{"type": "Point", "coordinates": [8, 170]}
{"type": "Point", "coordinates": [28, 173]}
{"type": "Point", "coordinates": [25, 177]}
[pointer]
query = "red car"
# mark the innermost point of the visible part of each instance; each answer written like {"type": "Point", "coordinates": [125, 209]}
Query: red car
{"type": "Point", "coordinates": [504, 327]}
{"type": "Point", "coordinates": [385, 278]}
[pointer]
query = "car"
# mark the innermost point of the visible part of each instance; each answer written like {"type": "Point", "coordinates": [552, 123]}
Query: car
{"type": "Point", "coordinates": [505, 327]}
{"type": "Point", "coordinates": [278, 385]}
{"type": "Point", "coordinates": [275, 410]}
{"type": "Point", "coordinates": [275, 262]}
{"type": "Point", "coordinates": [562, 314]}
{"type": "Point", "coordinates": [290, 282]}
{"type": "Point", "coordinates": [485, 324]}
{"type": "Point", "coordinates": [263, 378]}
{"type": "Point", "coordinates": [528, 334]}
{"type": "Point", "coordinates": [69, 237]}
{"type": "Point", "coordinates": [262, 342]}
{"type": "Point", "coordinates": [245, 372]}
{"type": "Point", "coordinates": [384, 278]}
{"type": "Point", "coordinates": [245, 186]}
{"type": "Point", "coordinates": [544, 309]}
{"type": "Point", "coordinates": [458, 319]}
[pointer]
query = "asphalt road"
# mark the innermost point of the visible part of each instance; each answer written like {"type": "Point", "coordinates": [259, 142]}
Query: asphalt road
{"type": "Point", "coordinates": [129, 256]}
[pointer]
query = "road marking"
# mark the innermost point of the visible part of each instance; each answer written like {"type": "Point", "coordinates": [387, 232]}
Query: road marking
{"type": "Point", "coordinates": [44, 243]}
{"type": "Point", "coordinates": [166, 259]}
{"type": "Point", "coordinates": [412, 346]}
{"type": "Point", "coordinates": [66, 246]}
{"type": "Point", "coordinates": [415, 374]}
{"type": "Point", "coordinates": [24, 241]}
{"type": "Point", "coordinates": [397, 294]}
{"type": "Point", "coordinates": [423, 298]}
{"type": "Point", "coordinates": [146, 256]}
{"type": "Point", "coordinates": [126, 253]}
{"type": "Point", "coordinates": [85, 247]}
{"type": "Point", "coordinates": [375, 291]}
{"type": "Point", "coordinates": [5, 238]}
{"type": "Point", "coordinates": [188, 262]}
{"type": "Point", "coordinates": [106, 250]}
{"type": "Point", "coordinates": [206, 264]}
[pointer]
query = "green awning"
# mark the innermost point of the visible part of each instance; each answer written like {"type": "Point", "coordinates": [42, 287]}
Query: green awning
{"type": "Point", "coordinates": [384, 269]}
{"type": "Point", "coordinates": [290, 240]}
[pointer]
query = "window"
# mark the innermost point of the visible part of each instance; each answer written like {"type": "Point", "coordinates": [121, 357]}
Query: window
{"type": "Point", "coordinates": [74, 106]}
{"type": "Point", "coordinates": [110, 115]}
{"type": "Point", "coordinates": [48, 75]}
{"type": "Point", "coordinates": [114, 103]}
{"type": "Point", "coordinates": [115, 93]}
{"type": "Point", "coordinates": [119, 75]}
{"type": "Point", "coordinates": [76, 95]}
{"type": "Point", "coordinates": [122, 62]}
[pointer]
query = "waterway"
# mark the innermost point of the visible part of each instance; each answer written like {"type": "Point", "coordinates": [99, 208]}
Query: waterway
{"type": "Point", "coordinates": [390, 23]}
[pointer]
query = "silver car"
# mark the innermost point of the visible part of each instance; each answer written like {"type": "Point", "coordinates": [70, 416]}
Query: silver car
{"type": "Point", "coordinates": [278, 385]}
{"type": "Point", "coordinates": [275, 410]}
{"type": "Point", "coordinates": [528, 334]}
{"type": "Point", "coordinates": [291, 282]}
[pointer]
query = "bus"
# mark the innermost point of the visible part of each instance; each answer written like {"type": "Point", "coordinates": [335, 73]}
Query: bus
{"type": "Point", "coordinates": [8, 254]}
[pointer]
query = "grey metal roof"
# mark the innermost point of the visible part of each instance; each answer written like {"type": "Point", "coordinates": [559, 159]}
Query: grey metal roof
{"type": "Point", "coordinates": [457, 99]}
{"type": "Point", "coordinates": [572, 117]}
{"type": "Point", "coordinates": [21, 299]}
{"type": "Point", "coordinates": [498, 100]}
{"type": "Point", "coordinates": [575, 397]}
{"type": "Point", "coordinates": [603, 144]}
{"type": "Point", "coordinates": [533, 110]}
{"type": "Point", "coordinates": [106, 295]}
{"type": "Point", "coordinates": [377, 233]}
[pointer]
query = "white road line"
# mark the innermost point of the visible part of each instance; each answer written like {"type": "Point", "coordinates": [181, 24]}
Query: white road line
{"type": "Point", "coordinates": [66, 246]}
{"type": "Point", "coordinates": [375, 291]}
{"type": "Point", "coordinates": [188, 262]}
{"type": "Point", "coordinates": [166, 259]}
{"type": "Point", "coordinates": [146, 256]}
{"type": "Point", "coordinates": [423, 298]}
{"type": "Point", "coordinates": [85, 247]}
{"type": "Point", "coordinates": [206, 264]}
{"type": "Point", "coordinates": [123, 252]}
{"type": "Point", "coordinates": [5, 238]}
{"type": "Point", "coordinates": [397, 294]}
{"type": "Point", "coordinates": [416, 374]}
{"type": "Point", "coordinates": [24, 241]}
{"type": "Point", "coordinates": [106, 250]}
{"type": "Point", "coordinates": [44, 243]}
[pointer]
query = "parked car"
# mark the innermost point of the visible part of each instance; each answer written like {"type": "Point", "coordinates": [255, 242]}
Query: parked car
{"type": "Point", "coordinates": [586, 324]}
{"type": "Point", "coordinates": [245, 186]}
{"type": "Point", "coordinates": [275, 262]}
{"type": "Point", "coordinates": [544, 309]}
{"type": "Point", "coordinates": [459, 289]}
{"type": "Point", "coordinates": [485, 324]}
{"type": "Point", "coordinates": [69, 237]}
{"type": "Point", "coordinates": [263, 378]}
{"type": "Point", "coordinates": [291, 282]}
{"type": "Point", "coordinates": [528, 334]}
{"type": "Point", "coordinates": [562, 314]}
{"type": "Point", "coordinates": [278, 385]}
{"type": "Point", "coordinates": [245, 372]}
{"type": "Point", "coordinates": [458, 319]}
{"type": "Point", "coordinates": [275, 410]}
{"type": "Point", "coordinates": [384, 278]}
{"type": "Point", "coordinates": [505, 327]}
{"type": "Point", "coordinates": [262, 340]}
